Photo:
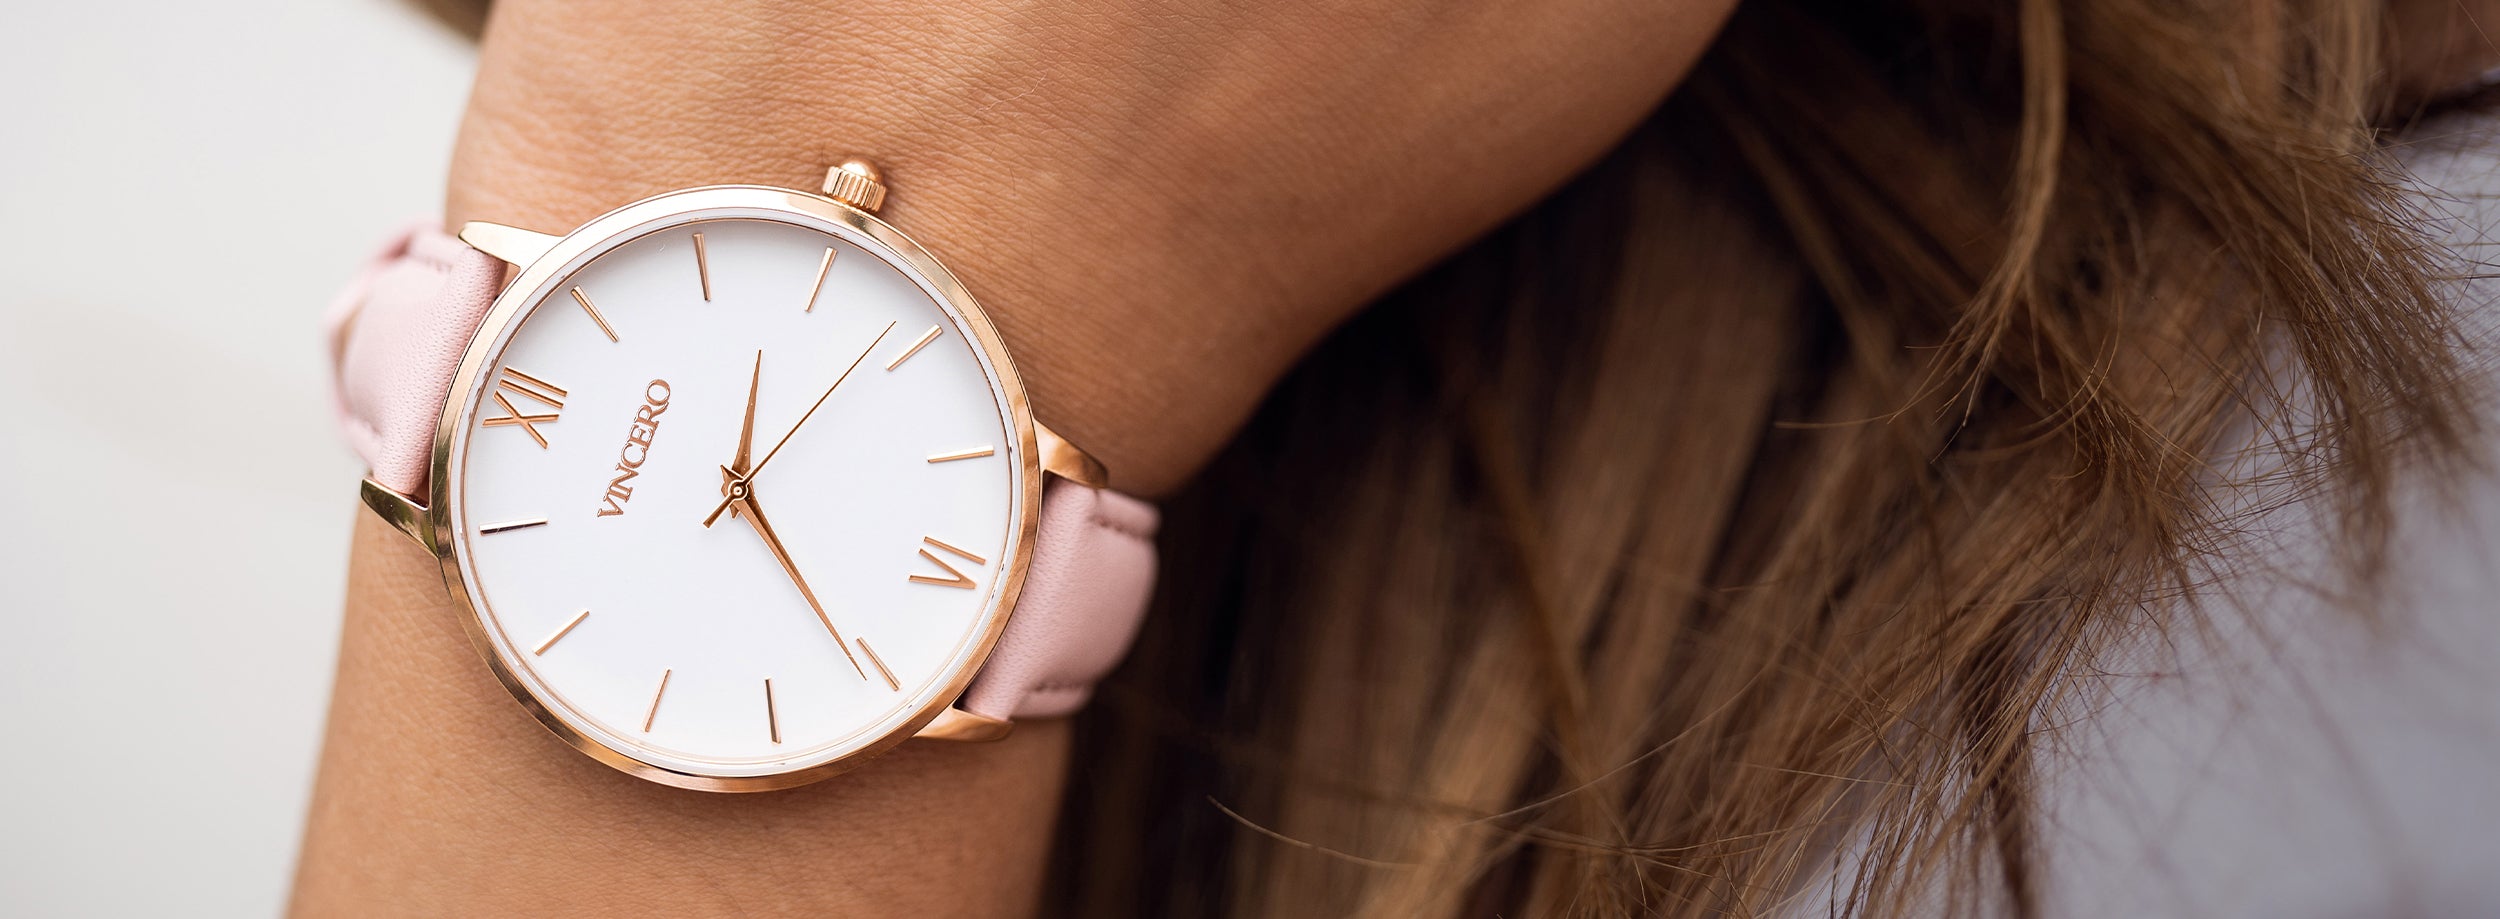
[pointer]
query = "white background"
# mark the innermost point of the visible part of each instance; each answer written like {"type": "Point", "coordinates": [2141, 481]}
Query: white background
{"type": "Point", "coordinates": [182, 186]}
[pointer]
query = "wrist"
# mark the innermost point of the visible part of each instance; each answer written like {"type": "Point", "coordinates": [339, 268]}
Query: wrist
{"type": "Point", "coordinates": [1065, 248]}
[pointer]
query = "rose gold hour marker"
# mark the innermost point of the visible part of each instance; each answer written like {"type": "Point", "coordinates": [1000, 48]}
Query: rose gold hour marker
{"type": "Point", "coordinates": [655, 701]}
{"type": "Point", "coordinates": [974, 453]}
{"type": "Point", "coordinates": [890, 682]}
{"type": "Point", "coordinates": [819, 290]}
{"type": "Point", "coordinates": [932, 540]}
{"type": "Point", "coordinates": [584, 300]}
{"type": "Point", "coordinates": [925, 338]}
{"type": "Point", "coordinates": [510, 525]}
{"type": "Point", "coordinates": [957, 578]}
{"type": "Point", "coordinates": [771, 719]}
{"type": "Point", "coordinates": [703, 266]}
{"type": "Point", "coordinates": [560, 633]}
{"type": "Point", "coordinates": [528, 387]}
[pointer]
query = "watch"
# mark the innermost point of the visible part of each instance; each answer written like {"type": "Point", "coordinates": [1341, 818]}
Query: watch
{"type": "Point", "coordinates": [736, 486]}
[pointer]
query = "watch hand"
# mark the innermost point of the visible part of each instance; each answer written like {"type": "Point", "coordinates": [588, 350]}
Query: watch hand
{"type": "Point", "coordinates": [745, 502]}
{"type": "Point", "coordinates": [746, 436]}
{"type": "Point", "coordinates": [794, 428]}
{"type": "Point", "coordinates": [746, 431]}
{"type": "Point", "coordinates": [820, 400]}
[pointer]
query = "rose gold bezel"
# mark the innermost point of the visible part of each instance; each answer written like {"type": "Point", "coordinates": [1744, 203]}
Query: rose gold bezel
{"type": "Point", "coordinates": [536, 280]}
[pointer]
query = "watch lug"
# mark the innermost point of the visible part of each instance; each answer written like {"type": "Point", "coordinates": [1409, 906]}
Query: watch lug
{"type": "Point", "coordinates": [1068, 461]}
{"type": "Point", "coordinates": [957, 724]}
{"type": "Point", "coordinates": [512, 244]}
{"type": "Point", "coordinates": [401, 512]}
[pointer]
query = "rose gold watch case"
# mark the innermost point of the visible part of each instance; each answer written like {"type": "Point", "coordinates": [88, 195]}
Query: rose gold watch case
{"type": "Point", "coordinates": [540, 277]}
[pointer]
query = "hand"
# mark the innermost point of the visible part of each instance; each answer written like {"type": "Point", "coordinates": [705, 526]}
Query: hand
{"type": "Point", "coordinates": [1161, 204]}
{"type": "Point", "coordinates": [741, 478]}
{"type": "Point", "coordinates": [744, 500]}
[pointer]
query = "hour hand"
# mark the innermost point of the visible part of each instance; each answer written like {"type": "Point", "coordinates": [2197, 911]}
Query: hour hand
{"type": "Point", "coordinates": [746, 431]}
{"type": "Point", "coordinates": [732, 475]}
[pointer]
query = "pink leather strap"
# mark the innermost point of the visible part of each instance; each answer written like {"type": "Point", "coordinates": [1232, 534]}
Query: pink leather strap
{"type": "Point", "coordinates": [396, 337]}
{"type": "Point", "coordinates": [1084, 594]}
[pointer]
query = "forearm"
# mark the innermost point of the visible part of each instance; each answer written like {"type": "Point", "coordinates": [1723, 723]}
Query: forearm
{"type": "Point", "coordinates": [1160, 204]}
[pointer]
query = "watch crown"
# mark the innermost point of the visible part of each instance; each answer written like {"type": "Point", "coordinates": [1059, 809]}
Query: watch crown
{"type": "Point", "coordinates": [858, 183]}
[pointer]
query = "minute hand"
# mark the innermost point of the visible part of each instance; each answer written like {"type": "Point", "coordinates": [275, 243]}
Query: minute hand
{"type": "Point", "coordinates": [794, 428]}
{"type": "Point", "coordinates": [772, 541]}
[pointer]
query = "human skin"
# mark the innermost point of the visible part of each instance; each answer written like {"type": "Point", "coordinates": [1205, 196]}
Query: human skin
{"type": "Point", "coordinates": [1160, 204]}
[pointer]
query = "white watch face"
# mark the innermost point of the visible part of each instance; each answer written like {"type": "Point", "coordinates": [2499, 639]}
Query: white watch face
{"type": "Point", "coordinates": [722, 599]}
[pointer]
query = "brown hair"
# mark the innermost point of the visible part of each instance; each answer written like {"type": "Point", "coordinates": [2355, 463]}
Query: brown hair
{"type": "Point", "coordinates": [1722, 525]}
